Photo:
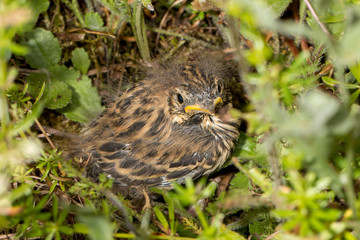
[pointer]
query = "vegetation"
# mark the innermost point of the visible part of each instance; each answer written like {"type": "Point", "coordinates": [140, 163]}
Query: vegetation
{"type": "Point", "coordinates": [294, 173]}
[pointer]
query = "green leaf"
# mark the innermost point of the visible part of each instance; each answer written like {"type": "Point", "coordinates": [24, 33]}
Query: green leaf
{"type": "Point", "coordinates": [80, 60]}
{"type": "Point", "coordinates": [260, 179]}
{"type": "Point", "coordinates": [98, 227]}
{"type": "Point", "coordinates": [240, 181]}
{"type": "Point", "coordinates": [86, 103]}
{"type": "Point", "coordinates": [261, 226]}
{"type": "Point", "coordinates": [355, 70]}
{"type": "Point", "coordinates": [227, 234]}
{"type": "Point", "coordinates": [4, 222]}
{"type": "Point", "coordinates": [59, 95]}
{"type": "Point", "coordinates": [354, 96]}
{"type": "Point", "coordinates": [247, 148]}
{"type": "Point", "coordinates": [44, 48]}
{"type": "Point", "coordinates": [67, 230]}
{"type": "Point", "coordinates": [37, 7]}
{"type": "Point", "coordinates": [172, 221]}
{"type": "Point", "coordinates": [348, 51]}
{"type": "Point", "coordinates": [279, 6]}
{"type": "Point", "coordinates": [209, 190]}
{"type": "Point", "coordinates": [35, 82]}
{"type": "Point", "coordinates": [55, 206]}
{"type": "Point", "coordinates": [160, 216]}
{"type": "Point", "coordinates": [18, 49]}
{"type": "Point", "coordinates": [56, 95]}
{"type": "Point", "coordinates": [94, 21]}
{"type": "Point", "coordinates": [332, 82]}
{"type": "Point", "coordinates": [53, 186]}
{"type": "Point", "coordinates": [80, 228]}
{"type": "Point", "coordinates": [64, 74]}
{"type": "Point", "coordinates": [22, 190]}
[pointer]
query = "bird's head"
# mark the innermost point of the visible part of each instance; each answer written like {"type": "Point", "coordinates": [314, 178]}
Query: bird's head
{"type": "Point", "coordinates": [197, 96]}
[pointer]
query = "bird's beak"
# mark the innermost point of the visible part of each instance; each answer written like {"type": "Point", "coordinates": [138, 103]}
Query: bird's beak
{"type": "Point", "coordinates": [217, 101]}
{"type": "Point", "coordinates": [199, 109]}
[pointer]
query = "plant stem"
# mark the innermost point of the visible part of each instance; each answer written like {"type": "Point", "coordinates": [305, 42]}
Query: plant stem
{"type": "Point", "coordinates": [201, 216]}
{"type": "Point", "coordinates": [4, 109]}
{"type": "Point", "coordinates": [322, 26]}
{"type": "Point", "coordinates": [138, 26]}
{"type": "Point", "coordinates": [73, 5]}
{"type": "Point", "coordinates": [140, 30]}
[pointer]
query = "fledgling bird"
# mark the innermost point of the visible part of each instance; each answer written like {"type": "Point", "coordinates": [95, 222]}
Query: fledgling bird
{"type": "Point", "coordinates": [165, 128]}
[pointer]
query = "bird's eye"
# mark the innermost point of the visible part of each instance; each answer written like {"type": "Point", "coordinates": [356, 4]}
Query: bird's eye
{"type": "Point", "coordinates": [219, 88]}
{"type": "Point", "coordinates": [180, 98]}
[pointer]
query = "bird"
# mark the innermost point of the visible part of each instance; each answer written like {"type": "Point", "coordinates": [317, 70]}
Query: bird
{"type": "Point", "coordinates": [165, 128]}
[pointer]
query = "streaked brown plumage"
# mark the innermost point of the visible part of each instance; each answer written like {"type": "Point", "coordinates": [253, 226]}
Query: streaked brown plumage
{"type": "Point", "coordinates": [163, 129]}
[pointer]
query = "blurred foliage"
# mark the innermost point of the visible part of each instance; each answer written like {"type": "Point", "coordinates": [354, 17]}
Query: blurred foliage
{"type": "Point", "coordinates": [295, 171]}
{"type": "Point", "coordinates": [60, 86]}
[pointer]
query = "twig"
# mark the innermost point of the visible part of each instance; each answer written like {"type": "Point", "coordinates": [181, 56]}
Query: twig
{"type": "Point", "coordinates": [164, 19]}
{"type": "Point", "coordinates": [254, 235]}
{"type": "Point", "coordinates": [92, 32]}
{"type": "Point", "coordinates": [312, 10]}
{"type": "Point", "coordinates": [7, 236]}
{"type": "Point", "coordinates": [56, 12]}
{"type": "Point", "coordinates": [53, 131]}
{"type": "Point", "coordinates": [175, 49]}
{"type": "Point", "coordinates": [45, 134]}
{"type": "Point", "coordinates": [184, 36]}
{"type": "Point", "coordinates": [272, 235]}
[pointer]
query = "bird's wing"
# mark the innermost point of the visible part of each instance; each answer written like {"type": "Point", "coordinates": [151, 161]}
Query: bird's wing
{"type": "Point", "coordinates": [146, 163]}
